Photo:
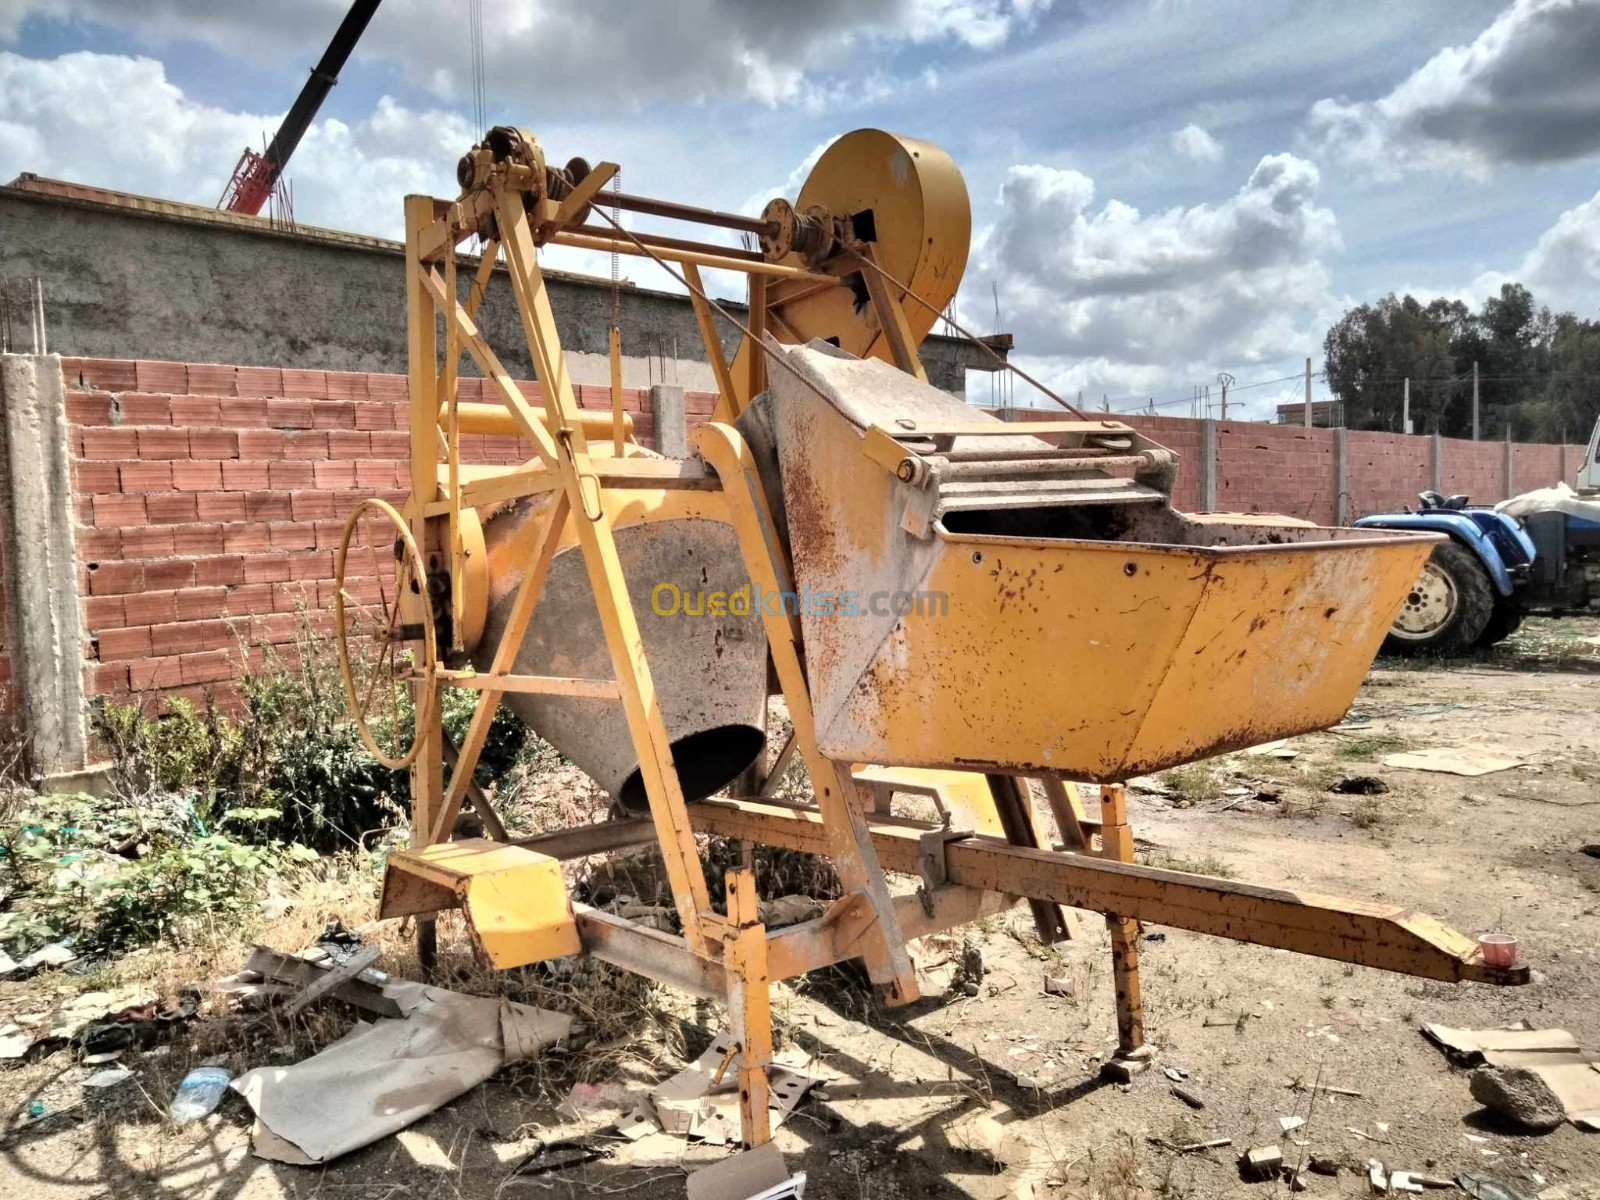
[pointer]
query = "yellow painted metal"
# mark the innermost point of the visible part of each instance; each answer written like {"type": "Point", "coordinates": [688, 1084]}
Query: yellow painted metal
{"type": "Point", "coordinates": [1182, 653]}
{"type": "Point", "coordinates": [962, 794]}
{"type": "Point", "coordinates": [494, 420]}
{"type": "Point", "coordinates": [922, 230]}
{"type": "Point", "coordinates": [1057, 657]}
{"type": "Point", "coordinates": [515, 900]}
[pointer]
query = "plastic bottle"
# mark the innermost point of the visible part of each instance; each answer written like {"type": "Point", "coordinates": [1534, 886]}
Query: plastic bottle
{"type": "Point", "coordinates": [199, 1093]}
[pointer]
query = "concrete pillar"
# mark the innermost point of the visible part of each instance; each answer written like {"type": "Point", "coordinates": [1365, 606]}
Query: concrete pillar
{"type": "Point", "coordinates": [1208, 465]}
{"type": "Point", "coordinates": [1436, 464]}
{"type": "Point", "coordinates": [47, 658]}
{"type": "Point", "coordinates": [1561, 457]}
{"type": "Point", "coordinates": [1341, 489]}
{"type": "Point", "coordinates": [672, 420]}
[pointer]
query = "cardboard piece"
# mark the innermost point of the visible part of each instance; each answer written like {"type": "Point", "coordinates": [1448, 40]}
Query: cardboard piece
{"type": "Point", "coordinates": [1470, 1045]}
{"type": "Point", "coordinates": [757, 1174]}
{"type": "Point", "coordinates": [1452, 762]}
{"type": "Point", "coordinates": [383, 1076]}
{"type": "Point", "coordinates": [689, 1103]}
{"type": "Point", "coordinates": [1571, 1073]}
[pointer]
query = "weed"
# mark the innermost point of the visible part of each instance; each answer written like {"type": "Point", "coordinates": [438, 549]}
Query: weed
{"type": "Point", "coordinates": [1195, 783]}
{"type": "Point", "coordinates": [1369, 813]}
{"type": "Point", "coordinates": [1367, 749]}
{"type": "Point", "coordinates": [1205, 865]}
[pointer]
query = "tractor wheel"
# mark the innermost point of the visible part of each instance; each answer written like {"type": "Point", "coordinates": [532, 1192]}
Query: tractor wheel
{"type": "Point", "coordinates": [1505, 620]}
{"type": "Point", "coordinates": [1448, 607]}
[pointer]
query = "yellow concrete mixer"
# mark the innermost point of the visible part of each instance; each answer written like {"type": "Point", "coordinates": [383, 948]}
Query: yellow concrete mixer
{"type": "Point", "coordinates": [949, 605]}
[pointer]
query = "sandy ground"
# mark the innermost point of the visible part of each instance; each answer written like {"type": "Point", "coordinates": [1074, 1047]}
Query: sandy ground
{"type": "Point", "coordinates": [1497, 852]}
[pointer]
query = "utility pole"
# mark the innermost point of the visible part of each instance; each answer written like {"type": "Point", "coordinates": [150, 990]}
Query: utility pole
{"type": "Point", "coordinates": [1226, 381]}
{"type": "Point", "coordinates": [1308, 394]}
{"type": "Point", "coordinates": [1474, 399]}
{"type": "Point", "coordinates": [1405, 408]}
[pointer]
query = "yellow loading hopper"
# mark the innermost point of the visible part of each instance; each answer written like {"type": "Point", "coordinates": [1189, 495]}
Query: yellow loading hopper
{"type": "Point", "coordinates": [980, 599]}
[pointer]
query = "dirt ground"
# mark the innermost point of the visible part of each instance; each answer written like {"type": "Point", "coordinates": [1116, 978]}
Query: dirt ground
{"type": "Point", "coordinates": [1251, 1027]}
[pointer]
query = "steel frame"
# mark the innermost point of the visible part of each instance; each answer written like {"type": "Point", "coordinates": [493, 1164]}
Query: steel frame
{"type": "Point", "coordinates": [732, 956]}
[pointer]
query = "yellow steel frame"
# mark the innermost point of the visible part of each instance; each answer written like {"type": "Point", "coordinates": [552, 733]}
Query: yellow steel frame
{"type": "Point", "coordinates": [732, 954]}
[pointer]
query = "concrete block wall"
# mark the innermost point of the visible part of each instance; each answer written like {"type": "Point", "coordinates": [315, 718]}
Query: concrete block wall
{"type": "Point", "coordinates": [1266, 468]}
{"type": "Point", "coordinates": [1384, 471]}
{"type": "Point", "coordinates": [211, 500]}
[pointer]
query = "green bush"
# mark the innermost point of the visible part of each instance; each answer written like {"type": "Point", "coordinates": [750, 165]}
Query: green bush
{"type": "Point", "coordinates": [108, 874]}
{"type": "Point", "coordinates": [291, 748]}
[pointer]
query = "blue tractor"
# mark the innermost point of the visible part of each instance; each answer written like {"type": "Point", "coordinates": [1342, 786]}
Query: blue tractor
{"type": "Point", "coordinates": [1537, 553]}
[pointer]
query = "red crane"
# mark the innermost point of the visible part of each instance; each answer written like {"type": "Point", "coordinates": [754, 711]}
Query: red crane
{"type": "Point", "coordinates": [257, 175]}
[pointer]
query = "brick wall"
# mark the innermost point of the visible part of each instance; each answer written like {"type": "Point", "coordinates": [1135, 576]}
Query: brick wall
{"type": "Point", "coordinates": [211, 500]}
{"type": "Point", "coordinates": [1384, 471]}
{"type": "Point", "coordinates": [1264, 468]}
{"type": "Point", "coordinates": [5, 575]}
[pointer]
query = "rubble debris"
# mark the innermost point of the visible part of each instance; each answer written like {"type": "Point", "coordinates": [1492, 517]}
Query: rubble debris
{"type": "Point", "coordinates": [1189, 1147]}
{"type": "Point", "coordinates": [1319, 1164]}
{"type": "Point", "coordinates": [298, 972]}
{"type": "Point", "coordinates": [1359, 785]}
{"type": "Point", "coordinates": [1187, 1096]}
{"type": "Point", "coordinates": [330, 979]}
{"type": "Point", "coordinates": [385, 1075]}
{"type": "Point", "coordinates": [1519, 1094]}
{"type": "Point", "coordinates": [757, 1174]}
{"type": "Point", "coordinates": [1290, 1124]}
{"type": "Point", "coordinates": [1176, 1074]}
{"type": "Point", "coordinates": [1058, 985]}
{"type": "Point", "coordinates": [1452, 762]}
{"type": "Point", "coordinates": [1564, 1070]}
{"type": "Point", "coordinates": [1403, 1181]}
{"type": "Point", "coordinates": [1377, 1177]}
{"type": "Point", "coordinates": [1261, 1162]}
{"type": "Point", "coordinates": [1278, 749]}
{"type": "Point", "coordinates": [702, 1100]}
{"type": "Point", "coordinates": [1487, 1187]}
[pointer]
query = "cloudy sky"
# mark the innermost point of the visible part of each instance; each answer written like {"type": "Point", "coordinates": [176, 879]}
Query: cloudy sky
{"type": "Point", "coordinates": [1162, 189]}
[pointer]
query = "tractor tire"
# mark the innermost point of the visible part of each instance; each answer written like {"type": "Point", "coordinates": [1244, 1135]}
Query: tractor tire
{"type": "Point", "coordinates": [1448, 608]}
{"type": "Point", "coordinates": [1505, 620]}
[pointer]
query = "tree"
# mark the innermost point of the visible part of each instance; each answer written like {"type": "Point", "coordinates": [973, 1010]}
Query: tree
{"type": "Point", "coordinates": [1539, 372]}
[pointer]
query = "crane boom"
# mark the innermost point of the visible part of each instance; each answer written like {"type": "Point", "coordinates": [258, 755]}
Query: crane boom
{"type": "Point", "coordinates": [257, 174]}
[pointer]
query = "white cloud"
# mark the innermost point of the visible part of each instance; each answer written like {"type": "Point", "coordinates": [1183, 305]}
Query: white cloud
{"type": "Point", "coordinates": [118, 122]}
{"type": "Point", "coordinates": [1195, 143]}
{"type": "Point", "coordinates": [1120, 300]}
{"type": "Point", "coordinates": [1563, 267]}
{"type": "Point", "coordinates": [1525, 91]}
{"type": "Point", "coordinates": [566, 53]}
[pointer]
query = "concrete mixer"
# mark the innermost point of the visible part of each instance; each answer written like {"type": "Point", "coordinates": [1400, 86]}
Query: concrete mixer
{"type": "Point", "coordinates": [949, 605]}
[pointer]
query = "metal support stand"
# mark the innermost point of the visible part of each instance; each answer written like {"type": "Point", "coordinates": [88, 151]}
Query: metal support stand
{"type": "Point", "coordinates": [1116, 842]}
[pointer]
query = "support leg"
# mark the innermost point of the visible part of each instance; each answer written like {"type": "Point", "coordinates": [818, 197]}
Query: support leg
{"type": "Point", "coordinates": [1116, 839]}
{"type": "Point", "coordinates": [749, 1005]}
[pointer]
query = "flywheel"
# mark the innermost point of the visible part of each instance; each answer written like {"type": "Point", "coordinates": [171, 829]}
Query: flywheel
{"type": "Point", "coordinates": [383, 622]}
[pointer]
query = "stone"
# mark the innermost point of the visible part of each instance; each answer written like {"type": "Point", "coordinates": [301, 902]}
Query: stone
{"type": "Point", "coordinates": [1519, 1095]}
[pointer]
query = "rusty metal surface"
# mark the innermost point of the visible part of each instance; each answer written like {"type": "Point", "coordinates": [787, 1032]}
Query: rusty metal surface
{"type": "Point", "coordinates": [1388, 937]}
{"type": "Point", "coordinates": [1092, 642]}
{"type": "Point", "coordinates": [710, 671]}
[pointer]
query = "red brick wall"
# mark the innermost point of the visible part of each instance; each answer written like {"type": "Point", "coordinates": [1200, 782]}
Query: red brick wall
{"type": "Point", "coordinates": [1475, 468]}
{"type": "Point", "coordinates": [1384, 471]}
{"type": "Point", "coordinates": [1275, 469]}
{"type": "Point", "coordinates": [1184, 437]}
{"type": "Point", "coordinates": [211, 501]}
